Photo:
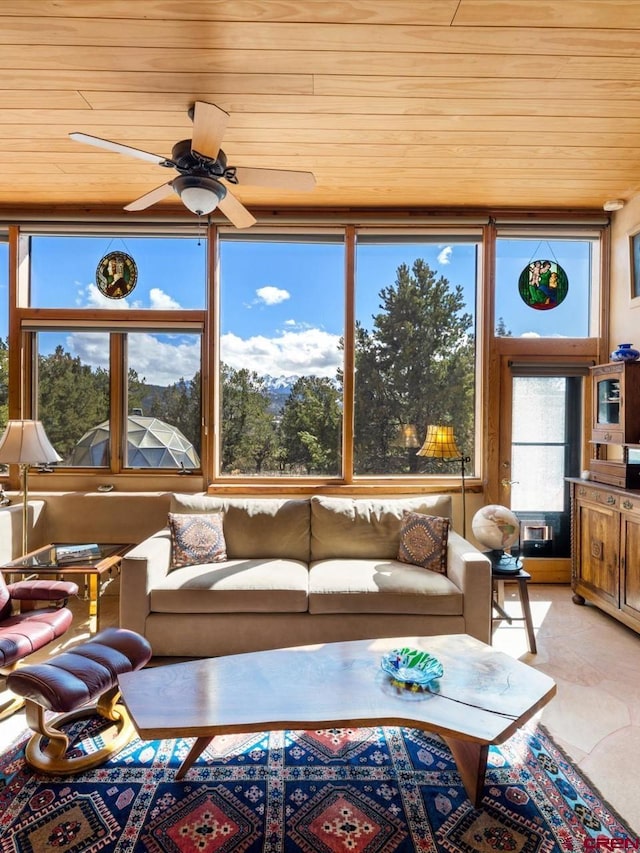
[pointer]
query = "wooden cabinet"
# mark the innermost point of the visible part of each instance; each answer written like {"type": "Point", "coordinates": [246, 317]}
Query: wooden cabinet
{"type": "Point", "coordinates": [616, 402]}
{"type": "Point", "coordinates": [605, 553]}
{"type": "Point", "coordinates": [629, 560]}
{"type": "Point", "coordinates": [615, 421]}
{"type": "Point", "coordinates": [605, 510]}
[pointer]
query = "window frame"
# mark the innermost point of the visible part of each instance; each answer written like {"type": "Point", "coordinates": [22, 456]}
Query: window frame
{"type": "Point", "coordinates": [22, 321]}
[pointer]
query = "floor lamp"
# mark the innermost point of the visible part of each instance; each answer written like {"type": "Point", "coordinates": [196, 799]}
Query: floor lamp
{"type": "Point", "coordinates": [440, 443]}
{"type": "Point", "coordinates": [25, 443]}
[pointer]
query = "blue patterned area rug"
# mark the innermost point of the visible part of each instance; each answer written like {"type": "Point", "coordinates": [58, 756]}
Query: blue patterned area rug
{"type": "Point", "coordinates": [368, 790]}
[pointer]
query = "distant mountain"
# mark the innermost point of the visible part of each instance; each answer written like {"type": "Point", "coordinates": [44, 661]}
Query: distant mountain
{"type": "Point", "coordinates": [279, 388]}
{"type": "Point", "coordinates": [277, 383]}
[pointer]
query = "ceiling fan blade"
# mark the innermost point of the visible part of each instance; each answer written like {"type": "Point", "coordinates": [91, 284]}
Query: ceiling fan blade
{"type": "Point", "coordinates": [150, 198]}
{"type": "Point", "coordinates": [279, 178]}
{"type": "Point", "coordinates": [235, 211]}
{"type": "Point", "coordinates": [118, 148]}
{"type": "Point", "coordinates": [209, 125]}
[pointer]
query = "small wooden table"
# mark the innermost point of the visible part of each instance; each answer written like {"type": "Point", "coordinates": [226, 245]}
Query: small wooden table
{"type": "Point", "coordinates": [483, 697]}
{"type": "Point", "coordinates": [521, 578]}
{"type": "Point", "coordinates": [99, 569]}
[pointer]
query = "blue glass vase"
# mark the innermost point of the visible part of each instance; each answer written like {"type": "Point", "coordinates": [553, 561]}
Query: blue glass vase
{"type": "Point", "coordinates": [625, 352]}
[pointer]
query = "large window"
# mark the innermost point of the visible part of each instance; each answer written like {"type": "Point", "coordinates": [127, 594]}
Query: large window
{"type": "Point", "coordinates": [415, 349]}
{"type": "Point", "coordinates": [74, 394]}
{"type": "Point", "coordinates": [117, 388]}
{"type": "Point", "coordinates": [546, 287]}
{"type": "Point", "coordinates": [281, 330]}
{"type": "Point", "coordinates": [279, 354]}
{"type": "Point", "coordinates": [164, 400]}
{"type": "Point", "coordinates": [66, 272]}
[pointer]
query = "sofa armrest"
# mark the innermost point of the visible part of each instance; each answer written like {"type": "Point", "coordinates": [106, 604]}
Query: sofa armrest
{"type": "Point", "coordinates": [470, 571]}
{"type": "Point", "coordinates": [143, 567]}
{"type": "Point", "coordinates": [11, 528]}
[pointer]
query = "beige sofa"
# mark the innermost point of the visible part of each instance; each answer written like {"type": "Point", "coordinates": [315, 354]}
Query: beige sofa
{"type": "Point", "coordinates": [301, 571]}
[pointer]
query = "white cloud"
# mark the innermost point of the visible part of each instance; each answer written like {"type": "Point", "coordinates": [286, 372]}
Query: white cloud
{"type": "Point", "coordinates": [296, 350]}
{"type": "Point", "coordinates": [271, 295]}
{"type": "Point", "coordinates": [158, 361]}
{"type": "Point", "coordinates": [298, 325]}
{"type": "Point", "coordinates": [538, 335]}
{"type": "Point", "coordinates": [311, 352]}
{"type": "Point", "coordinates": [93, 298]}
{"type": "Point", "coordinates": [444, 257]}
{"type": "Point", "coordinates": [161, 362]}
{"type": "Point", "coordinates": [161, 301]}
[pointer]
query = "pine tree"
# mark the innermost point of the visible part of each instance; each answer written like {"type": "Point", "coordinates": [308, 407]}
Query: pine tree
{"type": "Point", "coordinates": [310, 426]}
{"type": "Point", "coordinates": [248, 430]}
{"type": "Point", "coordinates": [415, 367]}
{"type": "Point", "coordinates": [73, 398]}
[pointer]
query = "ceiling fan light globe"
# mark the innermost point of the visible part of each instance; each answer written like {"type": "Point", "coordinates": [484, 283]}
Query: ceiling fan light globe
{"type": "Point", "coordinates": [200, 195]}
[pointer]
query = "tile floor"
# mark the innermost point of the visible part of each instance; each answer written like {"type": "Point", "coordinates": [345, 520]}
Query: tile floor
{"type": "Point", "coordinates": [595, 661]}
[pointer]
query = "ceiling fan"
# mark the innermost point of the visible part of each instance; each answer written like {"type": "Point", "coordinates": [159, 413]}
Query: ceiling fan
{"type": "Point", "coordinates": [203, 167]}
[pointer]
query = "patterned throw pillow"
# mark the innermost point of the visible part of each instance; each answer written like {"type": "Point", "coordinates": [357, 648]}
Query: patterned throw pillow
{"type": "Point", "coordinates": [423, 541]}
{"type": "Point", "coordinates": [196, 539]}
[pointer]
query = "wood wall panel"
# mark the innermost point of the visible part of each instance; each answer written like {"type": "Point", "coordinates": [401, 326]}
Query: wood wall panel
{"type": "Point", "coordinates": [308, 11]}
{"type": "Point", "coordinates": [194, 36]}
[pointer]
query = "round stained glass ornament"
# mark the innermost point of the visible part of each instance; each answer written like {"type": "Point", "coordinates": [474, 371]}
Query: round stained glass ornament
{"type": "Point", "coordinates": [543, 284]}
{"type": "Point", "coordinates": [116, 275]}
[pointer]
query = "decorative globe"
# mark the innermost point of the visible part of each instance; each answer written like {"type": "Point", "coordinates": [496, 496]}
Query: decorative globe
{"type": "Point", "coordinates": [496, 527]}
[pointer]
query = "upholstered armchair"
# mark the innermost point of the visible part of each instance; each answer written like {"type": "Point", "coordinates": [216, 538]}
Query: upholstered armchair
{"type": "Point", "coordinates": [26, 628]}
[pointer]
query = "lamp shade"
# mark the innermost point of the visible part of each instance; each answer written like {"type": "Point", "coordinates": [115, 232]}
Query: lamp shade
{"type": "Point", "coordinates": [440, 443]}
{"type": "Point", "coordinates": [25, 442]}
{"type": "Point", "coordinates": [406, 437]}
{"type": "Point", "coordinates": [200, 195]}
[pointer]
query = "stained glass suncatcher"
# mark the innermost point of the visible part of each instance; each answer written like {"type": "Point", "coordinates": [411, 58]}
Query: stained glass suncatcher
{"type": "Point", "coordinates": [543, 284]}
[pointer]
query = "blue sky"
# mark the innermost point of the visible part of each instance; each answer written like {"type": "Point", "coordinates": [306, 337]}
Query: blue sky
{"type": "Point", "coordinates": [282, 307]}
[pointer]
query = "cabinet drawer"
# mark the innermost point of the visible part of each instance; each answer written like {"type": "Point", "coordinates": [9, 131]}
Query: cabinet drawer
{"type": "Point", "coordinates": [630, 506]}
{"type": "Point", "coordinates": [608, 434]}
{"type": "Point", "coordinates": [623, 474]}
{"type": "Point", "coordinates": [600, 497]}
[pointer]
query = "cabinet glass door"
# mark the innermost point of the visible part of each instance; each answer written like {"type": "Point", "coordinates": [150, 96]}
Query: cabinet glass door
{"type": "Point", "coordinates": [608, 397]}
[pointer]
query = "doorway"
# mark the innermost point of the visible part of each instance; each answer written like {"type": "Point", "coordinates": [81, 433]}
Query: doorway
{"type": "Point", "coordinates": [540, 447]}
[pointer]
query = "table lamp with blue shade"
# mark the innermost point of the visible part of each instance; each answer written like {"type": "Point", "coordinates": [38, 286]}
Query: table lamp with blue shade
{"type": "Point", "coordinates": [25, 443]}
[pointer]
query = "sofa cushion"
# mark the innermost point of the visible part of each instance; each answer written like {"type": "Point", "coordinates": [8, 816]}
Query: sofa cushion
{"type": "Point", "coordinates": [256, 528]}
{"type": "Point", "coordinates": [363, 527]}
{"type": "Point", "coordinates": [236, 586]}
{"type": "Point", "coordinates": [196, 538]}
{"type": "Point", "coordinates": [380, 586]}
{"type": "Point", "coordinates": [423, 541]}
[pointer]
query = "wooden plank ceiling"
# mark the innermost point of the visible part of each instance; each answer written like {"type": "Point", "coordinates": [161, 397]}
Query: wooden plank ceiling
{"type": "Point", "coordinates": [390, 103]}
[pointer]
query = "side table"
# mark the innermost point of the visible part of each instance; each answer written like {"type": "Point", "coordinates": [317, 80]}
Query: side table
{"type": "Point", "coordinates": [521, 578]}
{"type": "Point", "coordinates": [98, 562]}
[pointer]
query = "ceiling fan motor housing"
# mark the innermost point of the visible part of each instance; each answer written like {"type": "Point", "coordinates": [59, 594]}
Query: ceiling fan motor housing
{"type": "Point", "coordinates": [187, 161]}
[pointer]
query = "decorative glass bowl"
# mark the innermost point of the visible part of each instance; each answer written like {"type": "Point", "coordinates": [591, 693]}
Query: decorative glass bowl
{"type": "Point", "coordinates": [412, 666]}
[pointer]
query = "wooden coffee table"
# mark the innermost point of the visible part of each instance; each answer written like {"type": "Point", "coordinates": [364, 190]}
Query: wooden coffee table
{"type": "Point", "coordinates": [483, 697]}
